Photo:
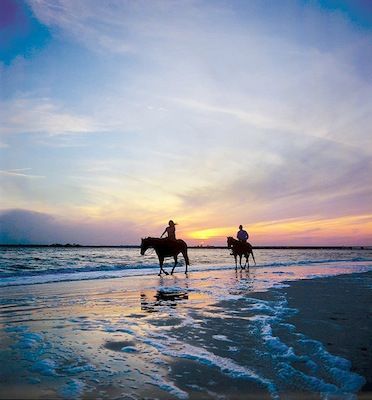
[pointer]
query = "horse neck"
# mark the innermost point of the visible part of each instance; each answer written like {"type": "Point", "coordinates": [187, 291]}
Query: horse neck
{"type": "Point", "coordinates": [151, 240]}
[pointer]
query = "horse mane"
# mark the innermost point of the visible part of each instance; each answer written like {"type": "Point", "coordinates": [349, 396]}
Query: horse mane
{"type": "Point", "coordinates": [152, 238]}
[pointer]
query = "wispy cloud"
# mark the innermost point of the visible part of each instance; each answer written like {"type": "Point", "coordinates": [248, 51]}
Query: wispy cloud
{"type": "Point", "coordinates": [42, 115]}
{"type": "Point", "coordinates": [116, 26]}
{"type": "Point", "coordinates": [20, 173]}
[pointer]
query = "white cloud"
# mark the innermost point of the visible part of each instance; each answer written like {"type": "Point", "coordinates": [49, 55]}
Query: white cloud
{"type": "Point", "coordinates": [42, 115]}
{"type": "Point", "coordinates": [19, 172]}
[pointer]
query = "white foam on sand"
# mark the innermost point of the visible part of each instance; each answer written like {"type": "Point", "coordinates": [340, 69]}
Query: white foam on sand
{"type": "Point", "coordinates": [221, 337]}
{"type": "Point", "coordinates": [45, 367]}
{"type": "Point", "coordinates": [77, 369]}
{"type": "Point", "coordinates": [73, 389]}
{"type": "Point", "coordinates": [202, 356]}
{"type": "Point", "coordinates": [326, 374]}
{"type": "Point", "coordinates": [335, 367]}
{"type": "Point", "coordinates": [46, 360]}
{"type": "Point", "coordinates": [129, 349]}
{"type": "Point", "coordinates": [167, 386]}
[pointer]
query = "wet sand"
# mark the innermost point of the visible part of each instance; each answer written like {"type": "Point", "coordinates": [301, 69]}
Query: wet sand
{"type": "Point", "coordinates": [337, 311]}
{"type": "Point", "coordinates": [193, 337]}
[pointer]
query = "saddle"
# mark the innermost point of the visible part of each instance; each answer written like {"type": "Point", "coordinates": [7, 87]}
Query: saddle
{"type": "Point", "coordinates": [243, 246]}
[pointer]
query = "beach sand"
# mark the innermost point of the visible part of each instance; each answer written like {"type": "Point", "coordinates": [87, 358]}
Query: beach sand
{"type": "Point", "coordinates": [208, 335]}
{"type": "Point", "coordinates": [337, 311]}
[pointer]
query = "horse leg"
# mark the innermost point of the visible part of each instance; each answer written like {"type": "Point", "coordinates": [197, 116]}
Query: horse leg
{"type": "Point", "coordinates": [161, 261]}
{"type": "Point", "coordinates": [240, 261]}
{"type": "Point", "coordinates": [175, 263]}
{"type": "Point", "coordinates": [186, 257]}
{"type": "Point", "coordinates": [236, 262]}
{"type": "Point", "coordinates": [161, 266]}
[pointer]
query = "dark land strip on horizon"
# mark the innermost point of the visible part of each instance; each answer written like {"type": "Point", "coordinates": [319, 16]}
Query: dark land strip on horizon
{"type": "Point", "coordinates": [57, 245]}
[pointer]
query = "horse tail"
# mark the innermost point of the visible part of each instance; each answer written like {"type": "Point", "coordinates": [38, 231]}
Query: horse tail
{"type": "Point", "coordinates": [186, 257]}
{"type": "Point", "coordinates": [253, 255]}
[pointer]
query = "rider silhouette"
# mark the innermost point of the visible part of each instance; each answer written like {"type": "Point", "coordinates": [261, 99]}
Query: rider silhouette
{"type": "Point", "coordinates": [170, 231]}
{"type": "Point", "coordinates": [242, 235]}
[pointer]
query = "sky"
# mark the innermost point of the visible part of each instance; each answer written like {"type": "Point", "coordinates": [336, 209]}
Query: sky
{"type": "Point", "coordinates": [116, 116]}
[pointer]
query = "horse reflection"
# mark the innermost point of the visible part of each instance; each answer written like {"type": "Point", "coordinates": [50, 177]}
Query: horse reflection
{"type": "Point", "coordinates": [162, 298]}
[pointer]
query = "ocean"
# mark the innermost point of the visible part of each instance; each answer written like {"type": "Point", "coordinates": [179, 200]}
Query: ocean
{"type": "Point", "coordinates": [33, 265]}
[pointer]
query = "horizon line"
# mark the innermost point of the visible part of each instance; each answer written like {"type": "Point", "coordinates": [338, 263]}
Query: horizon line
{"type": "Point", "coordinates": [264, 247]}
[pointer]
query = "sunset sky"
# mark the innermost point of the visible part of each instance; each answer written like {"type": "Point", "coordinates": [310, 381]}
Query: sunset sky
{"type": "Point", "coordinates": [116, 116]}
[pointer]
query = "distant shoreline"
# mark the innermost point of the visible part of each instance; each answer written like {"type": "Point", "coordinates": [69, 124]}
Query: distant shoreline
{"type": "Point", "coordinates": [190, 247]}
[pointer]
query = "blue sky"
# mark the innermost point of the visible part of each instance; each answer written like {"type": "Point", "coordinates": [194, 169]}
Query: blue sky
{"type": "Point", "coordinates": [119, 115]}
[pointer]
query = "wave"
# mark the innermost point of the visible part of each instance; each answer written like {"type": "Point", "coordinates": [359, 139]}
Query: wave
{"type": "Point", "coordinates": [125, 270]}
{"type": "Point", "coordinates": [25, 271]}
{"type": "Point", "coordinates": [310, 262]}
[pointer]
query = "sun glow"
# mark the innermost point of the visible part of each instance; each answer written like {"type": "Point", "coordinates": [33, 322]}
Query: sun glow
{"type": "Point", "coordinates": [341, 230]}
{"type": "Point", "coordinates": [212, 233]}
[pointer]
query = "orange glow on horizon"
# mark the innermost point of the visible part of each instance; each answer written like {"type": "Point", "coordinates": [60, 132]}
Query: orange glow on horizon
{"type": "Point", "coordinates": [211, 233]}
{"type": "Point", "coordinates": [294, 230]}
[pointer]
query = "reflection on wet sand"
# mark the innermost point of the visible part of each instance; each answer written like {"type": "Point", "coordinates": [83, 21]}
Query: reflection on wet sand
{"type": "Point", "coordinates": [151, 302]}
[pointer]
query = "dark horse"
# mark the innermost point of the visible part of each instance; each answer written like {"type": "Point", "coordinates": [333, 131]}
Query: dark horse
{"type": "Point", "coordinates": [166, 248]}
{"type": "Point", "coordinates": [240, 249]}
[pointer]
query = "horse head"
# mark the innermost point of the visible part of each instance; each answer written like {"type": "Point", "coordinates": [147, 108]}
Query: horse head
{"type": "Point", "coordinates": [144, 245]}
{"type": "Point", "coordinates": [230, 242]}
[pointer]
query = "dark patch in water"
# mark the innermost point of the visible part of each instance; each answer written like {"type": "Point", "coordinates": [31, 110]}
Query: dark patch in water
{"type": "Point", "coordinates": [117, 346]}
{"type": "Point", "coordinates": [171, 296]}
{"type": "Point", "coordinates": [136, 316]}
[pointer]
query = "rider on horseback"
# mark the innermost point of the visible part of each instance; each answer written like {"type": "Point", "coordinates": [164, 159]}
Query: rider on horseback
{"type": "Point", "coordinates": [242, 235]}
{"type": "Point", "coordinates": [170, 230]}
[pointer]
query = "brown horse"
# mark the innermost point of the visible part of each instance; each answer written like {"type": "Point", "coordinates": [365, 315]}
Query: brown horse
{"type": "Point", "coordinates": [166, 248]}
{"type": "Point", "coordinates": [240, 249]}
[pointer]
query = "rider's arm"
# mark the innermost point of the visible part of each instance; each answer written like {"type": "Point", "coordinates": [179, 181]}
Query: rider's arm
{"type": "Point", "coordinates": [164, 232]}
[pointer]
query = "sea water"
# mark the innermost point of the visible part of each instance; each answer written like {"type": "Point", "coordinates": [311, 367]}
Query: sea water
{"type": "Point", "coordinates": [204, 335]}
{"type": "Point", "coordinates": [27, 265]}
